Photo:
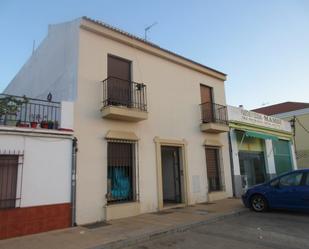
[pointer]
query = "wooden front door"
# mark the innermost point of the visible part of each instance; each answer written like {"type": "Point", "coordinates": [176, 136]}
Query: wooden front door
{"type": "Point", "coordinates": [119, 81]}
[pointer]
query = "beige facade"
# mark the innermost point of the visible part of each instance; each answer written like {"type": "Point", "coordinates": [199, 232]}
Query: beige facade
{"type": "Point", "coordinates": [172, 119]}
{"type": "Point", "coordinates": [301, 134]}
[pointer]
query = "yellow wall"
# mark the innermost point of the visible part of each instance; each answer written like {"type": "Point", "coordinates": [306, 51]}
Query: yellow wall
{"type": "Point", "coordinates": [249, 143]}
{"type": "Point", "coordinates": [302, 140]}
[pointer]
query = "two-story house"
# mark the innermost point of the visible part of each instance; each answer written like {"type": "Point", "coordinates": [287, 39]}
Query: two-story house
{"type": "Point", "coordinates": [151, 125]}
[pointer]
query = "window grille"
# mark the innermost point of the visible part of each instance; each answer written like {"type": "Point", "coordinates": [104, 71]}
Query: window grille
{"type": "Point", "coordinates": [11, 170]}
{"type": "Point", "coordinates": [122, 173]}
{"type": "Point", "coordinates": [213, 169]}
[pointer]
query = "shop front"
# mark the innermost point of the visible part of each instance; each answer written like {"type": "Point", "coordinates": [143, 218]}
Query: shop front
{"type": "Point", "coordinates": [261, 148]}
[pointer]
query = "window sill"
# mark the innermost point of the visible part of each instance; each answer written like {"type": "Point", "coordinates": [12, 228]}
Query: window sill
{"type": "Point", "coordinates": [217, 195]}
{"type": "Point", "coordinates": [122, 210]}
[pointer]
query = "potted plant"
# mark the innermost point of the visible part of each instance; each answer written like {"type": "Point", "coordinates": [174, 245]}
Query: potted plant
{"type": "Point", "coordinates": [56, 125]}
{"type": "Point", "coordinates": [21, 124]}
{"type": "Point", "coordinates": [33, 124]}
{"type": "Point", "coordinates": [35, 119]}
{"type": "Point", "coordinates": [50, 124]}
{"type": "Point", "coordinates": [44, 124]}
{"type": "Point", "coordinates": [9, 107]}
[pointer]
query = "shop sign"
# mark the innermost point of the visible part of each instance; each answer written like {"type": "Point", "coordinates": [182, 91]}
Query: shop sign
{"type": "Point", "coordinates": [245, 116]}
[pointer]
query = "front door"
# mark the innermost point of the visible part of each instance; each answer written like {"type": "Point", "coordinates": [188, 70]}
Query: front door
{"type": "Point", "coordinates": [119, 81]}
{"type": "Point", "coordinates": [171, 175]}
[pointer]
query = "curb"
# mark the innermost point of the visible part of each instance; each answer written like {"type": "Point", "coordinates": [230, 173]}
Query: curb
{"type": "Point", "coordinates": [167, 231]}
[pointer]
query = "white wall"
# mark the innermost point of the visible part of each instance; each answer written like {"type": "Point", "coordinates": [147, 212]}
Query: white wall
{"type": "Point", "coordinates": [52, 67]}
{"type": "Point", "coordinates": [46, 177]}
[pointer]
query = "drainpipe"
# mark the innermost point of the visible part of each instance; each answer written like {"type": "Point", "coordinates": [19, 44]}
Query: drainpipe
{"type": "Point", "coordinates": [231, 163]}
{"type": "Point", "coordinates": [73, 182]}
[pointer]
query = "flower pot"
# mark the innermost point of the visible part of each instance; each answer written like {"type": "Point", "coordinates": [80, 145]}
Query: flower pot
{"type": "Point", "coordinates": [23, 125]}
{"type": "Point", "coordinates": [51, 126]}
{"type": "Point", "coordinates": [11, 122]}
{"type": "Point", "coordinates": [44, 125]}
{"type": "Point", "coordinates": [33, 125]}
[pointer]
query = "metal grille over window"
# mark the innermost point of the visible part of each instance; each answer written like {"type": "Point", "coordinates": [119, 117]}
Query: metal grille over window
{"type": "Point", "coordinates": [122, 173]}
{"type": "Point", "coordinates": [10, 179]}
{"type": "Point", "coordinates": [213, 169]}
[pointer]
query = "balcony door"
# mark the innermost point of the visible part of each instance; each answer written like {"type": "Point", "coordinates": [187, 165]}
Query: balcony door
{"type": "Point", "coordinates": [119, 81]}
{"type": "Point", "coordinates": [207, 101]}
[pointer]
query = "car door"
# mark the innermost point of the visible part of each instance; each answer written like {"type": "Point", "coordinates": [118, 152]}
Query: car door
{"type": "Point", "coordinates": [288, 191]}
{"type": "Point", "coordinates": [304, 192]}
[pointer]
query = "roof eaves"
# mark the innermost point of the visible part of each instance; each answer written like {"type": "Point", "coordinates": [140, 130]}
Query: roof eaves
{"type": "Point", "coordinates": [149, 43]}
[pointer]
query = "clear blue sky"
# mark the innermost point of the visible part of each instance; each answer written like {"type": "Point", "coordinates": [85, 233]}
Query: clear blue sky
{"type": "Point", "coordinates": [263, 45]}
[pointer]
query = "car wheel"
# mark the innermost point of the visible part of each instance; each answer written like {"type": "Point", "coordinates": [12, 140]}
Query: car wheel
{"type": "Point", "coordinates": [259, 203]}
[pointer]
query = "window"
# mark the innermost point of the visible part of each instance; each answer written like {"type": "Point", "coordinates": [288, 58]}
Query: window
{"type": "Point", "coordinates": [307, 180]}
{"type": "Point", "coordinates": [213, 169]}
{"type": "Point", "coordinates": [282, 156]}
{"type": "Point", "coordinates": [121, 171]}
{"type": "Point", "coordinates": [8, 180]}
{"type": "Point", "coordinates": [291, 180]}
{"type": "Point", "coordinates": [119, 81]}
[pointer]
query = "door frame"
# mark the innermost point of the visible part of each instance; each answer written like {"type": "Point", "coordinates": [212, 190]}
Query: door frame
{"type": "Point", "coordinates": [182, 145]}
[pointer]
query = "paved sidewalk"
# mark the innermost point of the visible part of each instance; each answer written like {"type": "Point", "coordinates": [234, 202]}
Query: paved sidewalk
{"type": "Point", "coordinates": [128, 231]}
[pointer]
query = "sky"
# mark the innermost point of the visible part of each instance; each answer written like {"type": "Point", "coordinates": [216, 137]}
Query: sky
{"type": "Point", "coordinates": [262, 45]}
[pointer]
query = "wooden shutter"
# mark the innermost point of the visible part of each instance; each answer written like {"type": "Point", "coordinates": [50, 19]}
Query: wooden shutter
{"type": "Point", "coordinates": [207, 104]}
{"type": "Point", "coordinates": [119, 82]}
{"type": "Point", "coordinates": [213, 169]}
{"type": "Point", "coordinates": [206, 94]}
{"type": "Point", "coordinates": [8, 180]}
{"type": "Point", "coordinates": [212, 162]}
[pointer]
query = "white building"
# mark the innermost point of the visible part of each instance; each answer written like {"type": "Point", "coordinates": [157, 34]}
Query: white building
{"type": "Point", "coordinates": [143, 146]}
{"type": "Point", "coordinates": [35, 169]}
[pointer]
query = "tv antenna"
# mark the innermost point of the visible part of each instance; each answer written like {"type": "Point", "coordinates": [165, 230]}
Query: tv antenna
{"type": "Point", "coordinates": [148, 28]}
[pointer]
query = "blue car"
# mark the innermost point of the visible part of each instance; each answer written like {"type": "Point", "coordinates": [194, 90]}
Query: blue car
{"type": "Point", "coordinates": [287, 191]}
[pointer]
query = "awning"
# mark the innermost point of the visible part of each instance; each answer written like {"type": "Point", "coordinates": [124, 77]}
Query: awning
{"type": "Point", "coordinates": [121, 135]}
{"type": "Point", "coordinates": [260, 135]}
{"type": "Point", "coordinates": [213, 142]}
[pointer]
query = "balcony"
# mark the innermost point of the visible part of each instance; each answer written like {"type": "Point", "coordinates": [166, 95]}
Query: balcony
{"type": "Point", "coordinates": [214, 118]}
{"type": "Point", "coordinates": [42, 115]}
{"type": "Point", "coordinates": [124, 100]}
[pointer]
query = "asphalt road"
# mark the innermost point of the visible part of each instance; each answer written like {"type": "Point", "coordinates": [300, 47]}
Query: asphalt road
{"type": "Point", "coordinates": [278, 230]}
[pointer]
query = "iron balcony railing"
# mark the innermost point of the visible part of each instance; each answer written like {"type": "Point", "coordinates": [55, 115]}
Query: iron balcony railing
{"type": "Point", "coordinates": [214, 113]}
{"type": "Point", "coordinates": [119, 92]}
{"type": "Point", "coordinates": [29, 112]}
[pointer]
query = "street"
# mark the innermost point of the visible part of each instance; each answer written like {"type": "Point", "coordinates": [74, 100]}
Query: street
{"type": "Point", "coordinates": [278, 230]}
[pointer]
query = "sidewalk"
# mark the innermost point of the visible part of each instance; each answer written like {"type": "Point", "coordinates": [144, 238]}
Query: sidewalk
{"type": "Point", "coordinates": [128, 231]}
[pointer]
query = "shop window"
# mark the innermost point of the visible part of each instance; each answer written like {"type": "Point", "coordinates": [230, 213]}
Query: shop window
{"type": "Point", "coordinates": [213, 169]}
{"type": "Point", "coordinates": [9, 193]}
{"type": "Point", "coordinates": [252, 168]}
{"type": "Point", "coordinates": [282, 156]}
{"type": "Point", "coordinates": [121, 171]}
